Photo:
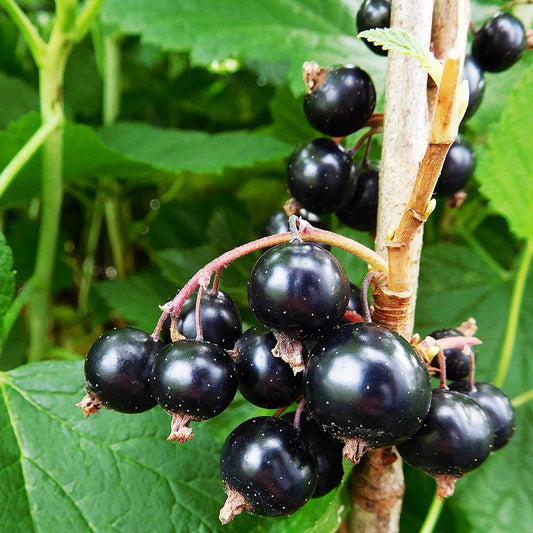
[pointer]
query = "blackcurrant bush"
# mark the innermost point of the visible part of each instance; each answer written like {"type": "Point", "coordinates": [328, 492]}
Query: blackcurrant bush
{"type": "Point", "coordinates": [455, 438]}
{"type": "Point", "coordinates": [473, 74]}
{"type": "Point", "coordinates": [342, 103]}
{"type": "Point", "coordinates": [374, 14]}
{"type": "Point", "coordinates": [117, 369]}
{"type": "Point", "coordinates": [457, 360]}
{"type": "Point", "coordinates": [194, 380]}
{"type": "Point", "coordinates": [458, 168]}
{"type": "Point", "coordinates": [220, 319]}
{"type": "Point", "coordinates": [264, 380]}
{"type": "Point", "coordinates": [267, 469]}
{"type": "Point", "coordinates": [327, 450]}
{"type": "Point", "coordinates": [298, 288]}
{"type": "Point", "coordinates": [497, 405]}
{"type": "Point", "coordinates": [499, 43]}
{"type": "Point", "coordinates": [361, 211]}
{"type": "Point", "coordinates": [321, 175]}
{"type": "Point", "coordinates": [367, 386]}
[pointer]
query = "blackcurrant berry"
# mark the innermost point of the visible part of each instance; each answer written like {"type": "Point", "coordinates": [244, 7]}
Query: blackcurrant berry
{"type": "Point", "coordinates": [117, 369]}
{"type": "Point", "coordinates": [499, 43]}
{"type": "Point", "coordinates": [220, 319]}
{"type": "Point", "coordinates": [497, 405]}
{"type": "Point", "coordinates": [473, 74]}
{"type": "Point", "coordinates": [194, 380]}
{"type": "Point", "coordinates": [267, 469]}
{"type": "Point", "coordinates": [457, 360]}
{"type": "Point", "coordinates": [361, 211]}
{"type": "Point", "coordinates": [321, 175]}
{"type": "Point", "coordinates": [298, 288]}
{"type": "Point", "coordinates": [354, 303]}
{"type": "Point", "coordinates": [374, 14]}
{"type": "Point", "coordinates": [458, 168]}
{"type": "Point", "coordinates": [366, 384]}
{"type": "Point", "coordinates": [264, 380]}
{"type": "Point", "coordinates": [342, 103]}
{"type": "Point", "coordinates": [455, 438]}
{"type": "Point", "coordinates": [327, 450]}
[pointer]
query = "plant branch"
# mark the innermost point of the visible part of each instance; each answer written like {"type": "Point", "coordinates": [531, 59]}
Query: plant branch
{"type": "Point", "coordinates": [16, 306]}
{"type": "Point", "coordinates": [308, 233]}
{"type": "Point", "coordinates": [28, 150]}
{"type": "Point", "coordinates": [514, 314]}
{"type": "Point", "coordinates": [86, 18]}
{"type": "Point", "coordinates": [28, 31]}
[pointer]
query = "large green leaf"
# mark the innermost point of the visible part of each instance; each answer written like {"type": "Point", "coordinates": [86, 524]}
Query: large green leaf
{"type": "Point", "coordinates": [60, 472]}
{"type": "Point", "coordinates": [505, 170]}
{"type": "Point", "coordinates": [17, 98]}
{"type": "Point", "coordinates": [265, 31]}
{"type": "Point", "coordinates": [192, 151]}
{"type": "Point", "coordinates": [7, 279]}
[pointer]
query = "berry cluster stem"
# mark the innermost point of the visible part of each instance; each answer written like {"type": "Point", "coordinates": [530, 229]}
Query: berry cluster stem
{"type": "Point", "coordinates": [307, 233]}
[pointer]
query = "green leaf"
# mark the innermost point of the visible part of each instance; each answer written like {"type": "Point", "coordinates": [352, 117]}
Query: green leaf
{"type": "Point", "coordinates": [406, 43]}
{"type": "Point", "coordinates": [137, 297]}
{"type": "Point", "coordinates": [192, 151]}
{"type": "Point", "coordinates": [266, 31]}
{"type": "Point", "coordinates": [505, 170]}
{"type": "Point", "coordinates": [17, 98]}
{"type": "Point", "coordinates": [7, 280]}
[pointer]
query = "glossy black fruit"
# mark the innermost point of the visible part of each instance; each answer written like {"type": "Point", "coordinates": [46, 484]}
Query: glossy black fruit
{"type": "Point", "coordinates": [264, 380]}
{"type": "Point", "coordinates": [374, 14]}
{"type": "Point", "coordinates": [220, 318]}
{"type": "Point", "coordinates": [361, 211]}
{"type": "Point", "coordinates": [457, 361]}
{"type": "Point", "coordinates": [321, 175]}
{"type": "Point", "coordinates": [354, 303]}
{"type": "Point", "coordinates": [366, 382]}
{"type": "Point", "coordinates": [298, 288]}
{"type": "Point", "coordinates": [458, 168]}
{"type": "Point", "coordinates": [499, 43]}
{"type": "Point", "coordinates": [327, 450]}
{"type": "Point", "coordinates": [473, 74]}
{"type": "Point", "coordinates": [196, 378]}
{"type": "Point", "coordinates": [265, 460]}
{"type": "Point", "coordinates": [342, 103]}
{"type": "Point", "coordinates": [456, 436]}
{"type": "Point", "coordinates": [497, 405]}
{"type": "Point", "coordinates": [117, 369]}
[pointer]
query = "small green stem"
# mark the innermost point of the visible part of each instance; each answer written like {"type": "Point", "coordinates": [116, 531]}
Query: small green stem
{"type": "Point", "coordinates": [28, 150]}
{"type": "Point", "coordinates": [86, 18]}
{"type": "Point", "coordinates": [16, 306]}
{"type": "Point", "coordinates": [112, 217]}
{"type": "Point", "coordinates": [432, 516]}
{"type": "Point", "coordinates": [522, 398]}
{"type": "Point", "coordinates": [88, 262]}
{"type": "Point", "coordinates": [28, 31]}
{"type": "Point", "coordinates": [514, 314]}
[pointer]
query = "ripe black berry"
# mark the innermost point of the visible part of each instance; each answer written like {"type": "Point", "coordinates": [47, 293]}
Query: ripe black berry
{"type": "Point", "coordinates": [264, 380]}
{"type": "Point", "coordinates": [456, 437]}
{"type": "Point", "coordinates": [354, 303]}
{"type": "Point", "coordinates": [365, 383]}
{"type": "Point", "coordinates": [458, 168]}
{"type": "Point", "coordinates": [497, 405]}
{"type": "Point", "coordinates": [267, 469]}
{"type": "Point", "coordinates": [457, 361]}
{"type": "Point", "coordinates": [298, 288]}
{"type": "Point", "coordinates": [117, 369]}
{"type": "Point", "coordinates": [327, 450]}
{"type": "Point", "coordinates": [374, 14]}
{"type": "Point", "coordinates": [473, 74]}
{"type": "Point", "coordinates": [321, 175]}
{"type": "Point", "coordinates": [342, 103]}
{"type": "Point", "coordinates": [279, 222]}
{"type": "Point", "coordinates": [499, 43]}
{"type": "Point", "coordinates": [220, 319]}
{"type": "Point", "coordinates": [361, 211]}
{"type": "Point", "coordinates": [195, 380]}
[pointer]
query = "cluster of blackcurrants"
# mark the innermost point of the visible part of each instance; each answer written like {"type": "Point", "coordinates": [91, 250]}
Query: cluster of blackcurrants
{"type": "Point", "coordinates": [358, 386]}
